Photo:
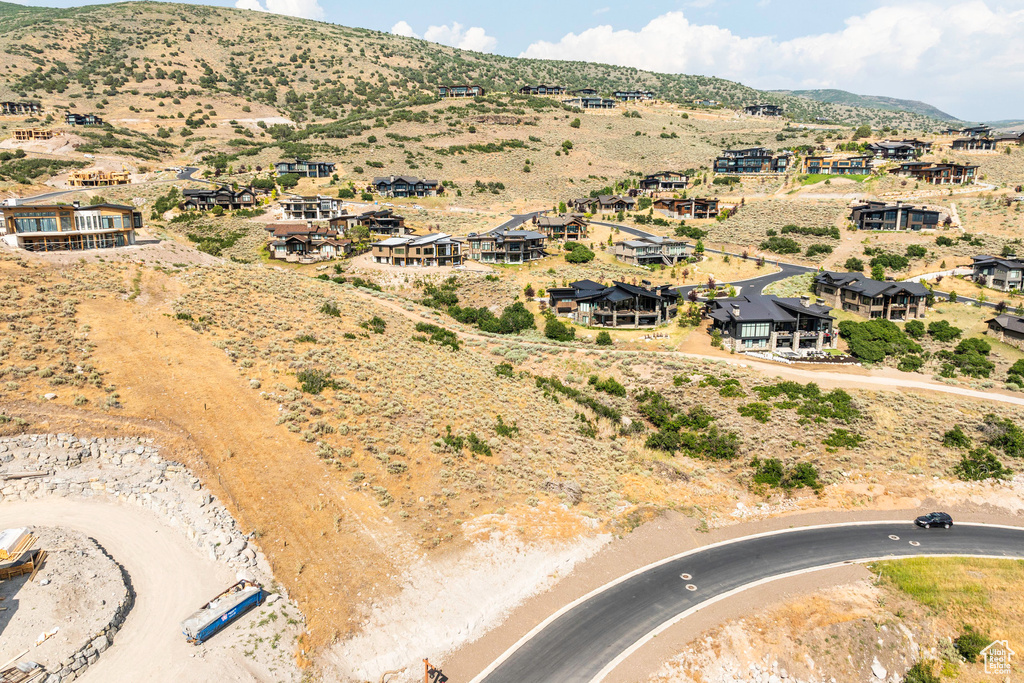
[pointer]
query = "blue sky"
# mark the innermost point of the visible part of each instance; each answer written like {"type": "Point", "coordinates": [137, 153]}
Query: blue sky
{"type": "Point", "coordinates": [963, 56]}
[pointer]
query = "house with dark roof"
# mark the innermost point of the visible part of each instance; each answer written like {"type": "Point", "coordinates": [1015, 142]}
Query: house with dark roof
{"type": "Point", "coordinates": [633, 95]}
{"type": "Point", "coordinates": [664, 181]}
{"type": "Point", "coordinates": [1007, 328]}
{"type": "Point", "coordinates": [504, 245]}
{"type": "Point", "coordinates": [685, 209]}
{"type": "Point", "coordinates": [593, 304]}
{"type": "Point", "coordinates": [305, 243]}
{"type": "Point", "coordinates": [873, 215]}
{"type": "Point", "coordinates": [305, 169]}
{"type": "Point", "coordinates": [567, 226]}
{"type": "Point", "coordinates": [871, 298]}
{"type": "Point", "coordinates": [605, 203]}
{"type": "Point", "coordinates": [19, 108]}
{"type": "Point", "coordinates": [379, 223]}
{"type": "Point", "coordinates": [1014, 138]}
{"type": "Point", "coordinates": [763, 110]}
{"type": "Point", "coordinates": [224, 197]}
{"type": "Point", "coordinates": [758, 322]}
{"type": "Point", "coordinates": [590, 102]}
{"type": "Point", "coordinates": [837, 165]}
{"type": "Point", "coordinates": [73, 119]}
{"type": "Point", "coordinates": [936, 174]}
{"type": "Point", "coordinates": [899, 150]}
{"type": "Point", "coordinates": [435, 249]}
{"type": "Point", "coordinates": [407, 186]}
{"type": "Point", "coordinates": [1004, 274]}
{"type": "Point", "coordinates": [584, 92]}
{"type": "Point", "coordinates": [460, 91]}
{"type": "Point", "coordinates": [750, 161]}
{"type": "Point", "coordinates": [652, 250]}
{"type": "Point", "coordinates": [317, 208]}
{"type": "Point", "coordinates": [982, 131]}
{"type": "Point", "coordinates": [542, 90]}
{"type": "Point", "coordinates": [974, 144]}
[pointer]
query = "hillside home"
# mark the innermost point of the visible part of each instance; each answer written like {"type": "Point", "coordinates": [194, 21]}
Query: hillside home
{"type": "Point", "coordinates": [621, 305]}
{"type": "Point", "coordinates": [633, 95]}
{"type": "Point", "coordinates": [224, 197]}
{"type": "Point", "coordinates": [506, 246]}
{"type": "Point", "coordinates": [981, 131]}
{"type": "Point", "coordinates": [1010, 138]}
{"type": "Point", "coordinates": [652, 250]}
{"type": "Point", "coordinates": [542, 90]}
{"type": "Point", "coordinates": [305, 169]}
{"type": "Point", "coordinates": [871, 298]}
{"type": "Point", "coordinates": [32, 134]}
{"type": "Point", "coordinates": [998, 273]}
{"type": "Point", "coordinates": [664, 181]}
{"type": "Point", "coordinates": [407, 186]}
{"type": "Point", "coordinates": [899, 216]}
{"type": "Point", "coordinates": [73, 119]}
{"type": "Point", "coordinates": [68, 227]}
{"type": "Point", "coordinates": [384, 223]}
{"type": "Point", "coordinates": [19, 108]}
{"type": "Point", "coordinates": [591, 103]}
{"type": "Point", "coordinates": [936, 174]}
{"type": "Point", "coordinates": [763, 110]}
{"type": "Point", "coordinates": [460, 91]}
{"type": "Point", "coordinates": [96, 177]}
{"type": "Point", "coordinates": [899, 150]}
{"type": "Point", "coordinates": [603, 204]}
{"type": "Point", "coordinates": [318, 208]}
{"type": "Point", "coordinates": [696, 208]}
{"type": "Point", "coordinates": [437, 249]}
{"type": "Point", "coordinates": [584, 92]}
{"type": "Point", "coordinates": [306, 243]}
{"type": "Point", "coordinates": [706, 102]}
{"type": "Point", "coordinates": [1007, 328]}
{"type": "Point", "coordinates": [750, 161]}
{"type": "Point", "coordinates": [834, 165]}
{"type": "Point", "coordinates": [974, 144]}
{"type": "Point", "coordinates": [569, 226]}
{"type": "Point", "coordinates": [757, 322]}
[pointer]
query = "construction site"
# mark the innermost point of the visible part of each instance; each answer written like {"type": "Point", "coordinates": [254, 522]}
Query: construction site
{"type": "Point", "coordinates": [97, 177]}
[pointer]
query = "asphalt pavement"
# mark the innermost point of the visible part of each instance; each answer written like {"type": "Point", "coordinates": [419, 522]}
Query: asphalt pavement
{"type": "Point", "coordinates": [578, 645]}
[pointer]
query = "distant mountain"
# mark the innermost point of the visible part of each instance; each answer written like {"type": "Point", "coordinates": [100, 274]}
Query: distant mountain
{"type": "Point", "coordinates": [1007, 124]}
{"type": "Point", "coordinates": [871, 101]}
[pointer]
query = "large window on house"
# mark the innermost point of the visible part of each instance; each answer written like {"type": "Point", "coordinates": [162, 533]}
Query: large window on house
{"type": "Point", "coordinates": [748, 330]}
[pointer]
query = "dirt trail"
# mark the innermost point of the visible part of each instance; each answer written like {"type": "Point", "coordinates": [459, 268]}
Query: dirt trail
{"type": "Point", "coordinates": [307, 522]}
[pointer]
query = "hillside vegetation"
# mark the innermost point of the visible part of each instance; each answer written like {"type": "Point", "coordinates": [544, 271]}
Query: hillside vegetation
{"type": "Point", "coordinates": [833, 96]}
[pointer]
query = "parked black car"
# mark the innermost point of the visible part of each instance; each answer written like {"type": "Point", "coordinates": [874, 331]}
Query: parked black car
{"type": "Point", "coordinates": [933, 519]}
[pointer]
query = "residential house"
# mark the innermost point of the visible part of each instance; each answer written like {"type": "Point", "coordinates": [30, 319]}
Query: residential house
{"type": "Point", "coordinates": [751, 160]}
{"type": "Point", "coordinates": [758, 322]}
{"type": "Point", "coordinates": [503, 245]}
{"type": "Point", "coordinates": [317, 208]}
{"type": "Point", "coordinates": [763, 110]}
{"type": "Point", "coordinates": [652, 250]}
{"type": "Point", "coordinates": [621, 305]}
{"type": "Point", "coordinates": [95, 177]}
{"type": "Point", "coordinates": [664, 181]}
{"type": "Point", "coordinates": [407, 186]}
{"type": "Point", "coordinates": [68, 227]}
{"type": "Point", "coordinates": [460, 91]}
{"type": "Point", "coordinates": [437, 249]}
{"type": "Point", "coordinates": [568, 226]}
{"type": "Point", "coordinates": [305, 169]}
{"type": "Point", "coordinates": [871, 298]}
{"type": "Point", "coordinates": [834, 165]}
{"type": "Point", "coordinates": [998, 273]}
{"type": "Point", "coordinates": [696, 208]}
{"type": "Point", "coordinates": [19, 108]}
{"type": "Point", "coordinates": [936, 174]}
{"type": "Point", "coordinates": [899, 216]}
{"type": "Point", "coordinates": [899, 150]}
{"type": "Point", "coordinates": [224, 197]}
{"type": "Point", "coordinates": [1007, 328]}
{"type": "Point", "coordinates": [981, 131]}
{"type": "Point", "coordinates": [1010, 138]}
{"type": "Point", "coordinates": [706, 103]}
{"type": "Point", "coordinates": [974, 144]}
{"type": "Point", "coordinates": [633, 95]}
{"type": "Point", "coordinates": [384, 223]}
{"type": "Point", "coordinates": [590, 102]}
{"type": "Point", "coordinates": [32, 134]}
{"type": "Point", "coordinates": [605, 203]}
{"type": "Point", "coordinates": [584, 92]}
{"type": "Point", "coordinates": [305, 243]}
{"type": "Point", "coordinates": [73, 119]}
{"type": "Point", "coordinates": [542, 90]}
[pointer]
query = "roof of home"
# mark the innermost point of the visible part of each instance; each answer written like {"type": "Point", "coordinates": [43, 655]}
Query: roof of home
{"type": "Point", "coordinates": [409, 179]}
{"type": "Point", "coordinates": [506, 233]}
{"type": "Point", "coordinates": [983, 259]}
{"type": "Point", "coordinates": [417, 240]}
{"type": "Point", "coordinates": [560, 220]}
{"type": "Point", "coordinates": [1013, 323]}
{"type": "Point", "coordinates": [856, 282]}
{"type": "Point", "coordinates": [760, 307]}
{"type": "Point", "coordinates": [621, 291]}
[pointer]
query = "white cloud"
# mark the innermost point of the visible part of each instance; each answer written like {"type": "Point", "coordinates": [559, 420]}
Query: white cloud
{"type": "Point", "coordinates": [402, 28]}
{"type": "Point", "coordinates": [601, 10]}
{"type": "Point", "coordinates": [950, 54]}
{"type": "Point", "coordinates": [307, 9]}
{"type": "Point", "coordinates": [472, 38]}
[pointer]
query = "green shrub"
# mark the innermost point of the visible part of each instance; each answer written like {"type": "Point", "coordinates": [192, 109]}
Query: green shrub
{"type": "Point", "coordinates": [980, 464]}
{"type": "Point", "coordinates": [605, 339]}
{"type": "Point", "coordinates": [1005, 435]}
{"type": "Point", "coordinates": [608, 385]}
{"type": "Point", "coordinates": [956, 438]}
{"type": "Point", "coordinates": [815, 249]}
{"type": "Point", "coordinates": [910, 363]}
{"type": "Point", "coordinates": [914, 328]}
{"type": "Point", "coordinates": [758, 411]}
{"type": "Point", "coordinates": [376, 324]}
{"type": "Point", "coordinates": [330, 308]}
{"type": "Point", "coordinates": [854, 265]}
{"type": "Point", "coordinates": [970, 643]}
{"type": "Point", "coordinates": [504, 370]}
{"type": "Point", "coordinates": [943, 331]}
{"type": "Point", "coordinates": [843, 438]}
{"type": "Point", "coordinates": [875, 339]}
{"type": "Point", "coordinates": [916, 251]}
{"type": "Point", "coordinates": [781, 245]}
{"type": "Point", "coordinates": [313, 381]}
{"type": "Point", "coordinates": [922, 672]}
{"type": "Point", "coordinates": [440, 336]}
{"type": "Point", "coordinates": [802, 475]}
{"type": "Point", "coordinates": [944, 241]}
{"type": "Point", "coordinates": [507, 430]}
{"type": "Point", "coordinates": [559, 331]}
{"type": "Point", "coordinates": [580, 254]}
{"type": "Point", "coordinates": [768, 472]}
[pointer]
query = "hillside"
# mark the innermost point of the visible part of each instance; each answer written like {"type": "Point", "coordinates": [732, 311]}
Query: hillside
{"type": "Point", "coordinates": [832, 96]}
{"type": "Point", "coordinates": [151, 57]}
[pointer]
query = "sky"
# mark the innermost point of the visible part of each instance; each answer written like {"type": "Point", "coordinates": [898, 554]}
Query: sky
{"type": "Point", "coordinates": [966, 57]}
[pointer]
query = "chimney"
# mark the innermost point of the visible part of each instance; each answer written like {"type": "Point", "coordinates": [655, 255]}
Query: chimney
{"type": "Point", "coordinates": [819, 301]}
{"type": "Point", "coordinates": [805, 301]}
{"type": "Point", "coordinates": [736, 310]}
{"type": "Point", "coordinates": [77, 204]}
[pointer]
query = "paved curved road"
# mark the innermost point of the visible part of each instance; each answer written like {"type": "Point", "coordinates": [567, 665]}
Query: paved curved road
{"type": "Point", "coordinates": [585, 642]}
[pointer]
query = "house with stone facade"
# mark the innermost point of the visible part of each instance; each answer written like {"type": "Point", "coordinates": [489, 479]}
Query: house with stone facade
{"type": "Point", "coordinates": [618, 305]}
{"type": "Point", "coordinates": [504, 245]}
{"type": "Point", "coordinates": [568, 226]}
{"type": "Point", "coordinates": [758, 322]}
{"type": "Point", "coordinates": [1002, 273]}
{"type": "Point", "coordinates": [652, 250]}
{"type": "Point", "coordinates": [436, 249]}
{"type": "Point", "coordinates": [869, 298]}
{"type": "Point", "coordinates": [685, 209]}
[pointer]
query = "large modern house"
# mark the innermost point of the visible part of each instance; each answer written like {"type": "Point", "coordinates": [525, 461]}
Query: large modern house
{"type": "Point", "coordinates": [685, 209]}
{"type": "Point", "coordinates": [407, 186]}
{"type": "Point", "coordinates": [751, 160]}
{"type": "Point", "coordinates": [872, 215]}
{"type": "Point", "coordinates": [590, 102]}
{"type": "Point", "coordinates": [605, 203]}
{"type": "Point", "coordinates": [936, 174]}
{"type": "Point", "coordinates": [836, 165]}
{"type": "Point", "coordinates": [305, 243]}
{"type": "Point", "coordinates": [380, 223]}
{"type": "Point", "coordinates": [305, 169]}
{"type": "Point", "coordinates": [224, 197]}
{"type": "Point", "coordinates": [542, 90]}
{"type": "Point", "coordinates": [1007, 328]}
{"type": "Point", "coordinates": [437, 249]}
{"type": "Point", "coordinates": [665, 181]}
{"type": "Point", "coordinates": [621, 305]}
{"type": "Point", "coordinates": [97, 177]}
{"type": "Point", "coordinates": [871, 298]}
{"type": "Point", "coordinates": [68, 227]}
{"type": "Point", "coordinates": [757, 322]}
{"type": "Point", "coordinates": [569, 226]}
{"type": "Point", "coordinates": [998, 273]}
{"type": "Point", "coordinates": [652, 250]}
{"type": "Point", "coordinates": [974, 144]}
{"type": "Point", "coordinates": [32, 134]}
{"type": "Point", "coordinates": [633, 95]}
{"type": "Point", "coordinates": [19, 108]}
{"type": "Point", "coordinates": [318, 208]}
{"type": "Point", "coordinates": [763, 110]}
{"type": "Point", "coordinates": [503, 245]}
{"type": "Point", "coordinates": [899, 150]}
{"type": "Point", "coordinates": [460, 91]}
{"type": "Point", "coordinates": [73, 119]}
